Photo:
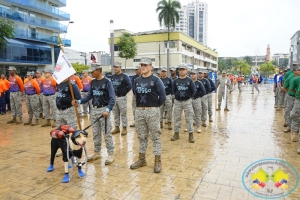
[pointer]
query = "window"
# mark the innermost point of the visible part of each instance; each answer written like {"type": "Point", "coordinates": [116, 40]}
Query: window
{"type": "Point", "coordinates": [183, 59]}
{"type": "Point", "coordinates": [172, 44]}
{"type": "Point", "coordinates": [136, 60]}
{"type": "Point", "coordinates": [116, 48]}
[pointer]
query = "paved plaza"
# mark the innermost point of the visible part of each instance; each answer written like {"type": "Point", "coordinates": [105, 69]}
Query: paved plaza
{"type": "Point", "coordinates": [210, 168]}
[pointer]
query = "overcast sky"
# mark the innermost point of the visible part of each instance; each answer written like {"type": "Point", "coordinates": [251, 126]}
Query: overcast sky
{"type": "Point", "coordinates": [235, 27]}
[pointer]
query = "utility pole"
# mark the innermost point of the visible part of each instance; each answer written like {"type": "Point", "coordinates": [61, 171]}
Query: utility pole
{"type": "Point", "coordinates": [112, 49]}
{"type": "Point", "coordinates": [159, 55]}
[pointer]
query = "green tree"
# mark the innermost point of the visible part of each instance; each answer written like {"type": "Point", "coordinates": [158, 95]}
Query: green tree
{"type": "Point", "coordinates": [168, 13]}
{"type": "Point", "coordinates": [80, 67]}
{"type": "Point", "coordinates": [284, 63]}
{"type": "Point", "coordinates": [274, 62]}
{"type": "Point", "coordinates": [248, 59]}
{"type": "Point", "coordinates": [267, 68]}
{"type": "Point", "coordinates": [222, 65]}
{"type": "Point", "coordinates": [6, 32]}
{"type": "Point", "coordinates": [128, 47]}
{"type": "Point", "coordinates": [242, 66]}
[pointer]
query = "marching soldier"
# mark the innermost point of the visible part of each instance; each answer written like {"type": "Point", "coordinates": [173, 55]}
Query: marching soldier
{"type": "Point", "coordinates": [49, 89]}
{"type": "Point", "coordinates": [240, 81]}
{"type": "Point", "coordinates": [86, 82]}
{"type": "Point", "coordinates": [167, 105]}
{"type": "Point", "coordinates": [184, 89]}
{"type": "Point", "coordinates": [210, 95]}
{"type": "Point", "coordinates": [39, 79]}
{"type": "Point", "coordinates": [138, 73]}
{"type": "Point", "coordinates": [103, 96]}
{"type": "Point", "coordinates": [150, 95]}
{"type": "Point", "coordinates": [122, 86]}
{"type": "Point", "coordinates": [7, 92]}
{"type": "Point", "coordinates": [254, 83]}
{"type": "Point", "coordinates": [221, 82]}
{"type": "Point", "coordinates": [196, 101]}
{"type": "Point", "coordinates": [32, 90]}
{"type": "Point", "coordinates": [204, 99]}
{"type": "Point", "coordinates": [16, 91]}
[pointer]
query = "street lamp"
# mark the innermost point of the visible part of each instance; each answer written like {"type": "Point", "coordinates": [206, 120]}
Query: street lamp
{"type": "Point", "coordinates": [112, 49]}
{"type": "Point", "coordinates": [70, 22]}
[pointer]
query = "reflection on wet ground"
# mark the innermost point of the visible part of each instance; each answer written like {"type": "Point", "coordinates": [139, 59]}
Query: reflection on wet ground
{"type": "Point", "coordinates": [211, 168]}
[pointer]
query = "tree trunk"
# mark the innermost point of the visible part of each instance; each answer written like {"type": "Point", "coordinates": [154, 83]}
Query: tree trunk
{"type": "Point", "coordinates": [125, 64]}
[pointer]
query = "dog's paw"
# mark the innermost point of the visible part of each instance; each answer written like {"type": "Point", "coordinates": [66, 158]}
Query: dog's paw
{"type": "Point", "coordinates": [66, 179]}
{"type": "Point", "coordinates": [50, 169]}
{"type": "Point", "coordinates": [69, 166]}
{"type": "Point", "coordinates": [81, 174]}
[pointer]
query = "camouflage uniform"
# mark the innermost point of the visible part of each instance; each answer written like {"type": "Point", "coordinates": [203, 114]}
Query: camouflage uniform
{"type": "Point", "coordinates": [32, 103]}
{"type": "Point", "coordinates": [148, 121]}
{"type": "Point", "coordinates": [50, 102]}
{"type": "Point", "coordinates": [287, 112]}
{"type": "Point", "coordinates": [204, 106]}
{"type": "Point", "coordinates": [209, 102]}
{"type": "Point", "coordinates": [86, 105]}
{"type": "Point", "coordinates": [295, 115]}
{"type": "Point", "coordinates": [280, 97]}
{"type": "Point", "coordinates": [240, 87]}
{"type": "Point", "coordinates": [66, 117]}
{"type": "Point", "coordinates": [120, 108]}
{"type": "Point", "coordinates": [168, 107]}
{"type": "Point", "coordinates": [254, 85]}
{"type": "Point", "coordinates": [221, 92]}
{"type": "Point", "coordinates": [16, 104]}
{"type": "Point", "coordinates": [40, 102]}
{"type": "Point", "coordinates": [188, 113]}
{"type": "Point", "coordinates": [133, 104]}
{"type": "Point", "coordinates": [196, 103]}
{"type": "Point", "coordinates": [99, 128]}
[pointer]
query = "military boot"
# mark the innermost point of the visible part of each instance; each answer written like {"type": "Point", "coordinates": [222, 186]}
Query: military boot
{"type": "Point", "coordinates": [20, 121]}
{"type": "Point", "coordinates": [226, 109]}
{"type": "Point", "coordinates": [133, 124]}
{"type": "Point", "coordinates": [203, 123]}
{"type": "Point", "coordinates": [275, 106]}
{"type": "Point", "coordinates": [110, 159]}
{"type": "Point", "coordinates": [294, 136]}
{"type": "Point", "coordinates": [298, 150]}
{"type": "Point", "coordinates": [170, 125]}
{"type": "Point", "coordinates": [37, 122]}
{"type": "Point", "coordinates": [14, 120]}
{"type": "Point", "coordinates": [219, 108]}
{"type": "Point", "coordinates": [157, 164]}
{"type": "Point", "coordinates": [198, 129]}
{"type": "Point", "coordinates": [285, 124]}
{"type": "Point", "coordinates": [29, 122]}
{"type": "Point", "coordinates": [161, 124]}
{"type": "Point", "coordinates": [140, 163]}
{"type": "Point", "coordinates": [124, 131]}
{"type": "Point", "coordinates": [278, 109]}
{"type": "Point", "coordinates": [47, 123]}
{"type": "Point", "coordinates": [41, 115]}
{"type": "Point", "coordinates": [95, 156]}
{"type": "Point", "coordinates": [288, 129]}
{"type": "Point", "coordinates": [175, 137]}
{"type": "Point", "coordinates": [54, 124]}
{"type": "Point", "coordinates": [191, 138]}
{"type": "Point", "coordinates": [185, 130]}
{"type": "Point", "coordinates": [210, 118]}
{"type": "Point", "coordinates": [116, 130]}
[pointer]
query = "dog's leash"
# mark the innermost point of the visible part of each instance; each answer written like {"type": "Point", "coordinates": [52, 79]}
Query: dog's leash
{"type": "Point", "coordinates": [96, 122]}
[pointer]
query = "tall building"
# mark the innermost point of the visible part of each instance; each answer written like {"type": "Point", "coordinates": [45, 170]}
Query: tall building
{"type": "Point", "coordinates": [268, 54]}
{"type": "Point", "coordinates": [37, 25]}
{"type": "Point", "coordinates": [193, 21]}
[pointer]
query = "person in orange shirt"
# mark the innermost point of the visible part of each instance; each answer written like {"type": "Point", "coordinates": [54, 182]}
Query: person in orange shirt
{"type": "Point", "coordinates": [7, 92]}
{"type": "Point", "coordinates": [32, 90]}
{"type": "Point", "coordinates": [254, 83]}
{"type": "Point", "coordinates": [86, 82]}
{"type": "Point", "coordinates": [26, 80]}
{"type": "Point", "coordinates": [39, 79]}
{"type": "Point", "coordinates": [2, 98]}
{"type": "Point", "coordinates": [239, 81]}
{"type": "Point", "coordinates": [76, 80]}
{"type": "Point", "coordinates": [16, 92]}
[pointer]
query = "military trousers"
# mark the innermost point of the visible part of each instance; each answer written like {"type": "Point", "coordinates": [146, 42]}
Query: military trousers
{"type": "Point", "coordinates": [32, 103]}
{"type": "Point", "coordinates": [99, 129]}
{"type": "Point", "coordinates": [133, 104]}
{"type": "Point", "coordinates": [166, 106]}
{"type": "Point", "coordinates": [147, 123]}
{"type": "Point", "coordinates": [196, 103]}
{"type": "Point", "coordinates": [295, 115]}
{"type": "Point", "coordinates": [120, 111]}
{"type": "Point", "coordinates": [209, 104]}
{"type": "Point", "coordinates": [288, 109]}
{"type": "Point", "coordinates": [204, 107]}
{"type": "Point", "coordinates": [221, 95]}
{"type": "Point", "coordinates": [254, 85]}
{"type": "Point", "coordinates": [16, 104]}
{"type": "Point", "coordinates": [49, 102]}
{"type": "Point", "coordinates": [40, 102]}
{"type": "Point", "coordinates": [66, 117]}
{"type": "Point", "coordinates": [240, 87]}
{"type": "Point", "coordinates": [280, 95]}
{"type": "Point", "coordinates": [86, 105]}
{"type": "Point", "coordinates": [187, 107]}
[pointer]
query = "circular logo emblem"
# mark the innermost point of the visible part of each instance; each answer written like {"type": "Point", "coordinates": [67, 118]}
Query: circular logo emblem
{"type": "Point", "coordinates": [270, 178]}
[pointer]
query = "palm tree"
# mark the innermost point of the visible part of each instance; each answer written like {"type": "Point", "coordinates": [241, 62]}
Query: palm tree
{"type": "Point", "coordinates": [242, 66]}
{"type": "Point", "coordinates": [168, 14]}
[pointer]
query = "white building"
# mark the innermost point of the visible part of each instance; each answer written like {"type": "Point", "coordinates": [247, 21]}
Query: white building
{"type": "Point", "coordinates": [76, 56]}
{"type": "Point", "coordinates": [193, 21]}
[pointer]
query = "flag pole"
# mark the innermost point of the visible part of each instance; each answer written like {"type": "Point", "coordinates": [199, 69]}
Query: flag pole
{"type": "Point", "coordinates": [70, 85]}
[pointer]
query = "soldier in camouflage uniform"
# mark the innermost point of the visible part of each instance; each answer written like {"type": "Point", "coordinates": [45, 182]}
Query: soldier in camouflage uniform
{"type": "Point", "coordinates": [39, 79]}
{"type": "Point", "coordinates": [210, 94]}
{"type": "Point", "coordinates": [16, 90]}
{"type": "Point", "coordinates": [102, 93]}
{"type": "Point", "coordinates": [224, 80]}
{"type": "Point", "coordinates": [32, 90]}
{"type": "Point", "coordinates": [138, 73]}
{"type": "Point", "coordinates": [184, 89]}
{"type": "Point", "coordinates": [122, 85]}
{"type": "Point", "coordinates": [49, 89]}
{"type": "Point", "coordinates": [204, 99]}
{"type": "Point", "coordinates": [150, 95]}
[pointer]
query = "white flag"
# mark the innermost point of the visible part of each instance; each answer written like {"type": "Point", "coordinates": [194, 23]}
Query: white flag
{"type": "Point", "coordinates": [63, 68]}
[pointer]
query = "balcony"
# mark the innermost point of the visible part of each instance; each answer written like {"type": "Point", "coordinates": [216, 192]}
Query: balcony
{"type": "Point", "coordinates": [32, 20]}
{"type": "Point", "coordinates": [38, 7]}
{"type": "Point", "coordinates": [29, 35]}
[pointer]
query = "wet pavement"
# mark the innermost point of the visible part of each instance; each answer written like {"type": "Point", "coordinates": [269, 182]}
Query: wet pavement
{"type": "Point", "coordinates": [211, 168]}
